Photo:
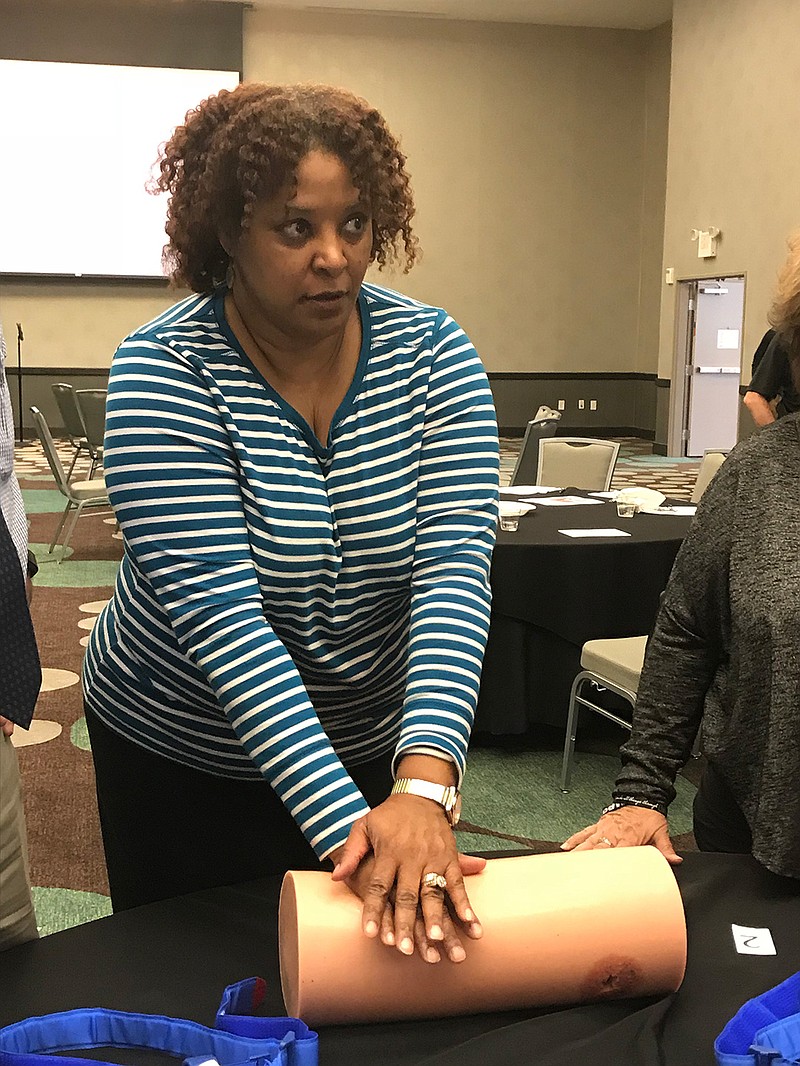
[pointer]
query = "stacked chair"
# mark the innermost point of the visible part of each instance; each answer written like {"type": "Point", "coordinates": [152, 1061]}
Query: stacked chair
{"type": "Point", "coordinates": [79, 494]}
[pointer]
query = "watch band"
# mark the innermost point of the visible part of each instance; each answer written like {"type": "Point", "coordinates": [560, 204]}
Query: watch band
{"type": "Point", "coordinates": [447, 796]}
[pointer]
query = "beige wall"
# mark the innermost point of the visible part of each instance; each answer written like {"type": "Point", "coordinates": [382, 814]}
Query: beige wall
{"type": "Point", "coordinates": [526, 149]}
{"type": "Point", "coordinates": [68, 324]}
{"type": "Point", "coordinates": [734, 151]}
{"type": "Point", "coordinates": [657, 45]}
{"type": "Point", "coordinates": [536, 175]}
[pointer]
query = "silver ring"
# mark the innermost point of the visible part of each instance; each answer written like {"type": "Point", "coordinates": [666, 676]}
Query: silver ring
{"type": "Point", "coordinates": [606, 841]}
{"type": "Point", "coordinates": [432, 880]}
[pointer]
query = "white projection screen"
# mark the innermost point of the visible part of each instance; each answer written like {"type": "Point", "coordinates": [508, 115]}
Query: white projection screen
{"type": "Point", "coordinates": [80, 142]}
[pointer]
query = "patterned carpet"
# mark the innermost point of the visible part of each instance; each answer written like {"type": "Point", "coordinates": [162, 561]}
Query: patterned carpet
{"type": "Point", "coordinates": [511, 796]}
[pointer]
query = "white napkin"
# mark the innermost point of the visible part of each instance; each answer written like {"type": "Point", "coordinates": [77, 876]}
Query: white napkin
{"type": "Point", "coordinates": [527, 490]}
{"type": "Point", "coordinates": [686, 509]}
{"type": "Point", "coordinates": [641, 497]}
{"type": "Point", "coordinates": [566, 501]}
{"type": "Point", "coordinates": [513, 509]}
{"type": "Point", "coordinates": [594, 532]}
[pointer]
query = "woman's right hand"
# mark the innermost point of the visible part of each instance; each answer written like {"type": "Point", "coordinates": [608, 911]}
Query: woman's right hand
{"type": "Point", "coordinates": [450, 945]}
{"type": "Point", "coordinates": [627, 827]}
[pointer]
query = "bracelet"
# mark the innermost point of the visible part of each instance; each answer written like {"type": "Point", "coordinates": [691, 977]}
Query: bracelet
{"type": "Point", "coordinates": [630, 801]}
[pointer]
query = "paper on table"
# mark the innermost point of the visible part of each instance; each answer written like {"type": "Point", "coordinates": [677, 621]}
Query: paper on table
{"type": "Point", "coordinates": [515, 508]}
{"type": "Point", "coordinates": [606, 495]}
{"type": "Point", "coordinates": [750, 941]}
{"type": "Point", "coordinates": [594, 532]}
{"type": "Point", "coordinates": [675, 509]}
{"type": "Point", "coordinates": [526, 490]}
{"type": "Point", "coordinates": [566, 501]}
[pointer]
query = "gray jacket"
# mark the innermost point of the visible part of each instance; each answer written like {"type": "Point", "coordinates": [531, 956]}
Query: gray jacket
{"type": "Point", "coordinates": [726, 647]}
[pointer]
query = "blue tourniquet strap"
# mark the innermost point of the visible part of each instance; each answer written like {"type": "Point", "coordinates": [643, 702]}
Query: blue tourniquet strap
{"type": "Point", "coordinates": [765, 1031]}
{"type": "Point", "coordinates": [238, 1040]}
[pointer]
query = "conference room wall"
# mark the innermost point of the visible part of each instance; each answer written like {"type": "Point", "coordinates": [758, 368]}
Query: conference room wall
{"type": "Point", "coordinates": [625, 402]}
{"type": "Point", "coordinates": [734, 154]}
{"type": "Point", "coordinates": [526, 145]}
{"type": "Point", "coordinates": [529, 147]}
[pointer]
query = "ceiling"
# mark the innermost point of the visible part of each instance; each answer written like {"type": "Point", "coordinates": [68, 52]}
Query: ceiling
{"type": "Point", "coordinates": [620, 14]}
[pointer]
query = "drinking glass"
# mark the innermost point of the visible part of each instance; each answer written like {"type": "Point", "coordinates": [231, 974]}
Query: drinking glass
{"type": "Point", "coordinates": [626, 509]}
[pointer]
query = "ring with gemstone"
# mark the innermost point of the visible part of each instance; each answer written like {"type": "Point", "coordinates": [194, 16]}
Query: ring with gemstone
{"type": "Point", "coordinates": [432, 880]}
{"type": "Point", "coordinates": [606, 841]}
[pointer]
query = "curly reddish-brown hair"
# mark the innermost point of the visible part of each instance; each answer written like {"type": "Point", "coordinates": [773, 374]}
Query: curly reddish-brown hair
{"type": "Point", "coordinates": [244, 145]}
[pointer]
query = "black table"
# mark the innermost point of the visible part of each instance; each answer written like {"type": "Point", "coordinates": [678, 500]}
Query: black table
{"type": "Point", "coordinates": [552, 593]}
{"type": "Point", "coordinates": [175, 958]}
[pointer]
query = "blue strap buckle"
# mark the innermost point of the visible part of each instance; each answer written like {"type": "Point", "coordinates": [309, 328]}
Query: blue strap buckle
{"type": "Point", "coordinates": [764, 1056]}
{"type": "Point", "coordinates": [239, 1038]}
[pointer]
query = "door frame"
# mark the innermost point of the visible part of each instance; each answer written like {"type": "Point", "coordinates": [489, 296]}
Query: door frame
{"type": "Point", "coordinates": [685, 311]}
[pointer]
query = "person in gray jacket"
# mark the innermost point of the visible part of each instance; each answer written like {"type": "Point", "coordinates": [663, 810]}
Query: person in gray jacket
{"type": "Point", "coordinates": [725, 650]}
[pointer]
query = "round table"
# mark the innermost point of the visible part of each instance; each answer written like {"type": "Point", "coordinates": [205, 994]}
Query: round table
{"type": "Point", "coordinates": [552, 593]}
{"type": "Point", "coordinates": [175, 957]}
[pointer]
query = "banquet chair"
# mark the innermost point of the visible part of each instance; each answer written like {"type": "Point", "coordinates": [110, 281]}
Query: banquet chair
{"type": "Point", "coordinates": [92, 410]}
{"type": "Point", "coordinates": [79, 494]}
{"type": "Point", "coordinates": [581, 462]}
{"type": "Point", "coordinates": [711, 462]}
{"type": "Point", "coordinates": [527, 465]}
{"type": "Point", "coordinates": [73, 424]}
{"type": "Point", "coordinates": [615, 665]}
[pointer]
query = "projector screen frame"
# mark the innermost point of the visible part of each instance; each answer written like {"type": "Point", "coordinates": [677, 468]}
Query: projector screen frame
{"type": "Point", "coordinates": [94, 279]}
{"type": "Point", "coordinates": [132, 250]}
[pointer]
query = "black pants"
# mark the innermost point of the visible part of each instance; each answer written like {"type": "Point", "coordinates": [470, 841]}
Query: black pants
{"type": "Point", "coordinates": [719, 824]}
{"type": "Point", "coordinates": [169, 829]}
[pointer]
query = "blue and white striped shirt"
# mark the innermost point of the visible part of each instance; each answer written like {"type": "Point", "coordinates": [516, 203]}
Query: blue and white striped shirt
{"type": "Point", "coordinates": [286, 609]}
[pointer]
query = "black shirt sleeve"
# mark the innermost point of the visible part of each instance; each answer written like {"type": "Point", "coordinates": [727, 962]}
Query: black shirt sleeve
{"type": "Point", "coordinates": [763, 344]}
{"type": "Point", "coordinates": [772, 376]}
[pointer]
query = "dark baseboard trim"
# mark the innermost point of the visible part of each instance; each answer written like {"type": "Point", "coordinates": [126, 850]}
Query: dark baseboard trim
{"type": "Point", "coordinates": [660, 449]}
{"type": "Point", "coordinates": [663, 383]}
{"type": "Point", "coordinates": [549, 375]}
{"type": "Point", "coordinates": [586, 431]}
{"type": "Point", "coordinates": [58, 371]}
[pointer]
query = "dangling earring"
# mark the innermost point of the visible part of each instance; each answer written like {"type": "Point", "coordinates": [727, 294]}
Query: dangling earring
{"type": "Point", "coordinates": [229, 274]}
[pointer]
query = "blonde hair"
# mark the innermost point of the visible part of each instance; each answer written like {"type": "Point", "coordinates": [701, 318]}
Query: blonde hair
{"type": "Point", "coordinates": [785, 312]}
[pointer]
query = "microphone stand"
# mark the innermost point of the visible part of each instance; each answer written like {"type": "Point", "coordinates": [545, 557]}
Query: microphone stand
{"type": "Point", "coordinates": [20, 338]}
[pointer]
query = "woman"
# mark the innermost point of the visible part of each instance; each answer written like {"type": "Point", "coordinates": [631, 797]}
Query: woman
{"type": "Point", "coordinates": [726, 649]}
{"type": "Point", "coordinates": [304, 467]}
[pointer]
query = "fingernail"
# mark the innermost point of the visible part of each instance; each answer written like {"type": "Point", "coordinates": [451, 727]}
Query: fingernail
{"type": "Point", "coordinates": [389, 939]}
{"type": "Point", "coordinates": [476, 929]}
{"type": "Point", "coordinates": [432, 955]}
{"type": "Point", "coordinates": [458, 954]}
{"type": "Point", "coordinates": [436, 933]}
{"type": "Point", "coordinates": [371, 928]}
{"type": "Point", "coordinates": [563, 847]}
{"type": "Point", "coordinates": [470, 917]}
{"type": "Point", "coordinates": [336, 868]}
{"type": "Point", "coordinates": [406, 946]}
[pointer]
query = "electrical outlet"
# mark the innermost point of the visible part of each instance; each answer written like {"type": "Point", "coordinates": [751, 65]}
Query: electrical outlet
{"type": "Point", "coordinates": [592, 405]}
{"type": "Point", "coordinates": [581, 404]}
{"type": "Point", "coordinates": [562, 405]}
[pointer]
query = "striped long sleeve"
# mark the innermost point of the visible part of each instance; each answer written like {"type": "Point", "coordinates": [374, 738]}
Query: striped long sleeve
{"type": "Point", "coordinates": [285, 607]}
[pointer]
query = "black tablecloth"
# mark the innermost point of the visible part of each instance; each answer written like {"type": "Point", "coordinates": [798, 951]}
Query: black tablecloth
{"type": "Point", "coordinates": [552, 593]}
{"type": "Point", "coordinates": [175, 958]}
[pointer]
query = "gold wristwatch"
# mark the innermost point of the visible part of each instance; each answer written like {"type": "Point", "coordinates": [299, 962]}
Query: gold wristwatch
{"type": "Point", "coordinates": [447, 796]}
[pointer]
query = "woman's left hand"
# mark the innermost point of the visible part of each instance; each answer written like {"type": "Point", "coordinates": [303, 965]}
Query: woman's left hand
{"type": "Point", "coordinates": [383, 861]}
